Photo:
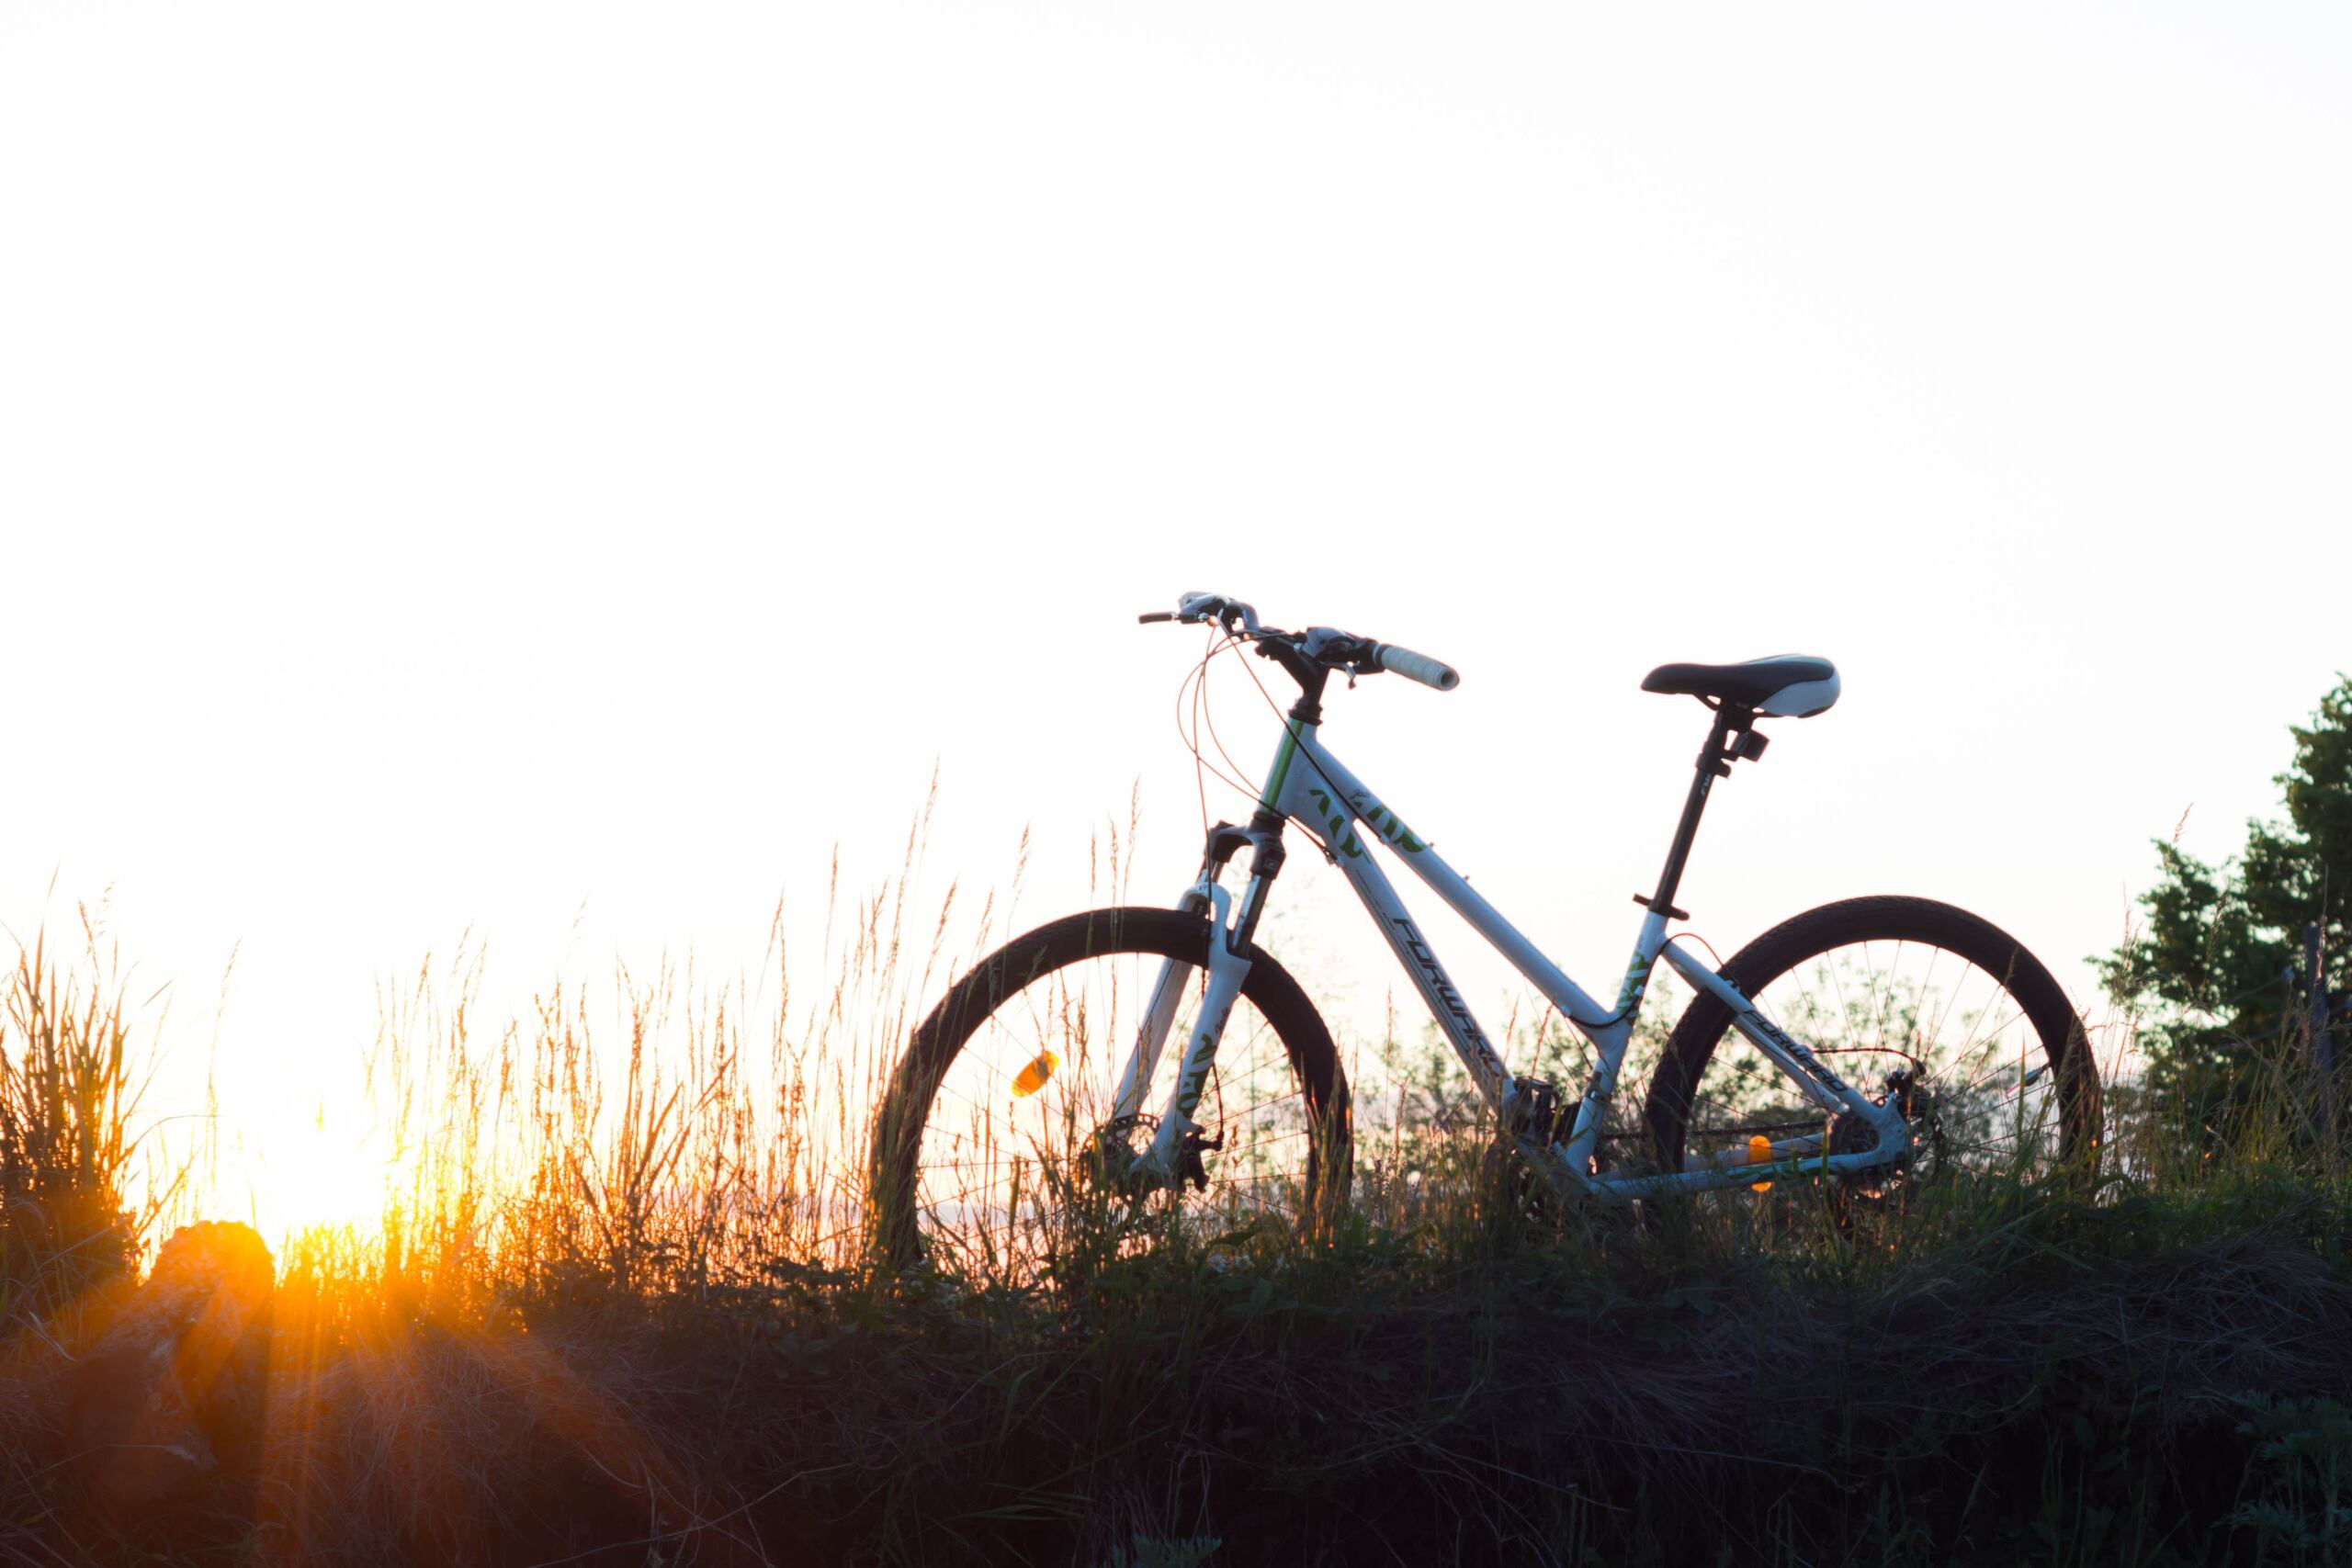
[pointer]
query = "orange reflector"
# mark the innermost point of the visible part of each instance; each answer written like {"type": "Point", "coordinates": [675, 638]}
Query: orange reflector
{"type": "Point", "coordinates": [1759, 1152]}
{"type": "Point", "coordinates": [1032, 1078]}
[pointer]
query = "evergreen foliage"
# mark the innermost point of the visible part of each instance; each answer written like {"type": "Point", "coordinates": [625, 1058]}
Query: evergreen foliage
{"type": "Point", "coordinates": [2219, 964]}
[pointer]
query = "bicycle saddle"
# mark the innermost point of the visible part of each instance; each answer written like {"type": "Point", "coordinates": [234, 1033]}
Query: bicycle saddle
{"type": "Point", "coordinates": [1787, 685]}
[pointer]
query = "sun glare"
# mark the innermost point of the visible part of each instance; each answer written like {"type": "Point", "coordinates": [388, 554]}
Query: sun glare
{"type": "Point", "coordinates": [297, 1173]}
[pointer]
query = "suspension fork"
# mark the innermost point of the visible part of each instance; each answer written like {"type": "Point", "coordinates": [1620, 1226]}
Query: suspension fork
{"type": "Point", "coordinates": [1231, 928]}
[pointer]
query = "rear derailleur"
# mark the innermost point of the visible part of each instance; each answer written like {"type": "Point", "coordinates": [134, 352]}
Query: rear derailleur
{"type": "Point", "coordinates": [1851, 1133]}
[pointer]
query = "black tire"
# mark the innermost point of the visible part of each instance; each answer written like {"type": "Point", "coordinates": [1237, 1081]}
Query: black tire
{"type": "Point", "coordinates": [1290, 1153]}
{"type": "Point", "coordinates": [1798, 973]}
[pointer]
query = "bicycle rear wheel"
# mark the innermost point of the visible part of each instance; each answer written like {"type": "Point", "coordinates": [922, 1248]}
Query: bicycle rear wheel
{"type": "Point", "coordinates": [1880, 985]}
{"type": "Point", "coordinates": [988, 1149]}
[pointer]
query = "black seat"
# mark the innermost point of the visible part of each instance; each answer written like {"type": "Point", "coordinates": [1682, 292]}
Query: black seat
{"type": "Point", "coordinates": [1787, 685]}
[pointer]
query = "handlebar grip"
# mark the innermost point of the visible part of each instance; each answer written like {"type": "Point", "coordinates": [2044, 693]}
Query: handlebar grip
{"type": "Point", "coordinates": [1416, 666]}
{"type": "Point", "coordinates": [1154, 615]}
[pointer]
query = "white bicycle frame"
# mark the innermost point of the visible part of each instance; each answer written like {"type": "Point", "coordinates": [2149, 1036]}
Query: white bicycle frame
{"type": "Point", "coordinates": [1308, 785]}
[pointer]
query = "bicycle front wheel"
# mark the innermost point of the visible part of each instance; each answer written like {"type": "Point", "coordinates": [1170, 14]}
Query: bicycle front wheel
{"type": "Point", "coordinates": [1879, 985]}
{"type": "Point", "coordinates": [990, 1150]}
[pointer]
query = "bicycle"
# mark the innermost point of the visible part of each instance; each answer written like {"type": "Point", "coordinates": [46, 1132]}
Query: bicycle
{"type": "Point", "coordinates": [1025, 1092]}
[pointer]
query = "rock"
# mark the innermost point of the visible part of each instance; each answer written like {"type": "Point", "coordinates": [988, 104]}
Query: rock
{"type": "Point", "coordinates": [175, 1388]}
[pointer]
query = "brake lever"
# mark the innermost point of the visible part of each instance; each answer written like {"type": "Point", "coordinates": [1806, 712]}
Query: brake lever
{"type": "Point", "coordinates": [1235, 618]}
{"type": "Point", "coordinates": [1355, 653]}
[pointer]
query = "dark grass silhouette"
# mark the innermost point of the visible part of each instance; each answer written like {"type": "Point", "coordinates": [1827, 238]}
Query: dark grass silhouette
{"type": "Point", "coordinates": [620, 1308]}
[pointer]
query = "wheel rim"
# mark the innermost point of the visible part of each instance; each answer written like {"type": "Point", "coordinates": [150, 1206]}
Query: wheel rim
{"type": "Point", "coordinates": [1990, 1097]}
{"type": "Point", "coordinates": [1009, 1184]}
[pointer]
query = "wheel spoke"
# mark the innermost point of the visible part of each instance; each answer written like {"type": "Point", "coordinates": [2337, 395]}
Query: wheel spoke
{"type": "Point", "coordinates": [1874, 984]}
{"type": "Point", "coordinates": [998, 1177]}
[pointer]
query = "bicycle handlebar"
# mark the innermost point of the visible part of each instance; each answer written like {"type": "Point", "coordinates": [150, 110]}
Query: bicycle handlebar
{"type": "Point", "coordinates": [1322, 645]}
{"type": "Point", "coordinates": [1415, 666]}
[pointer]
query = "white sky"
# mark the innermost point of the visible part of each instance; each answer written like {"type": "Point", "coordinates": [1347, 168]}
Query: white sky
{"type": "Point", "coordinates": [458, 461]}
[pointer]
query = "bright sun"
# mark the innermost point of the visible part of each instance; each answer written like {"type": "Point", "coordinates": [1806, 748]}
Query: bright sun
{"type": "Point", "coordinates": [296, 1171]}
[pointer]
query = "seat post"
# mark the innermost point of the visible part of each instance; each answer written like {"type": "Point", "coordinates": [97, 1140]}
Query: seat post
{"type": "Point", "coordinates": [1715, 763]}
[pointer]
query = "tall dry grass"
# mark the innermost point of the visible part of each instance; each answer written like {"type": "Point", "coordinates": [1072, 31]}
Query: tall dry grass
{"type": "Point", "coordinates": [83, 1175]}
{"type": "Point", "coordinates": [659, 1133]}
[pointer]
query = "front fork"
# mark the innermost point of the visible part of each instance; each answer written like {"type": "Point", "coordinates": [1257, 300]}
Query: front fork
{"type": "Point", "coordinates": [1231, 928]}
